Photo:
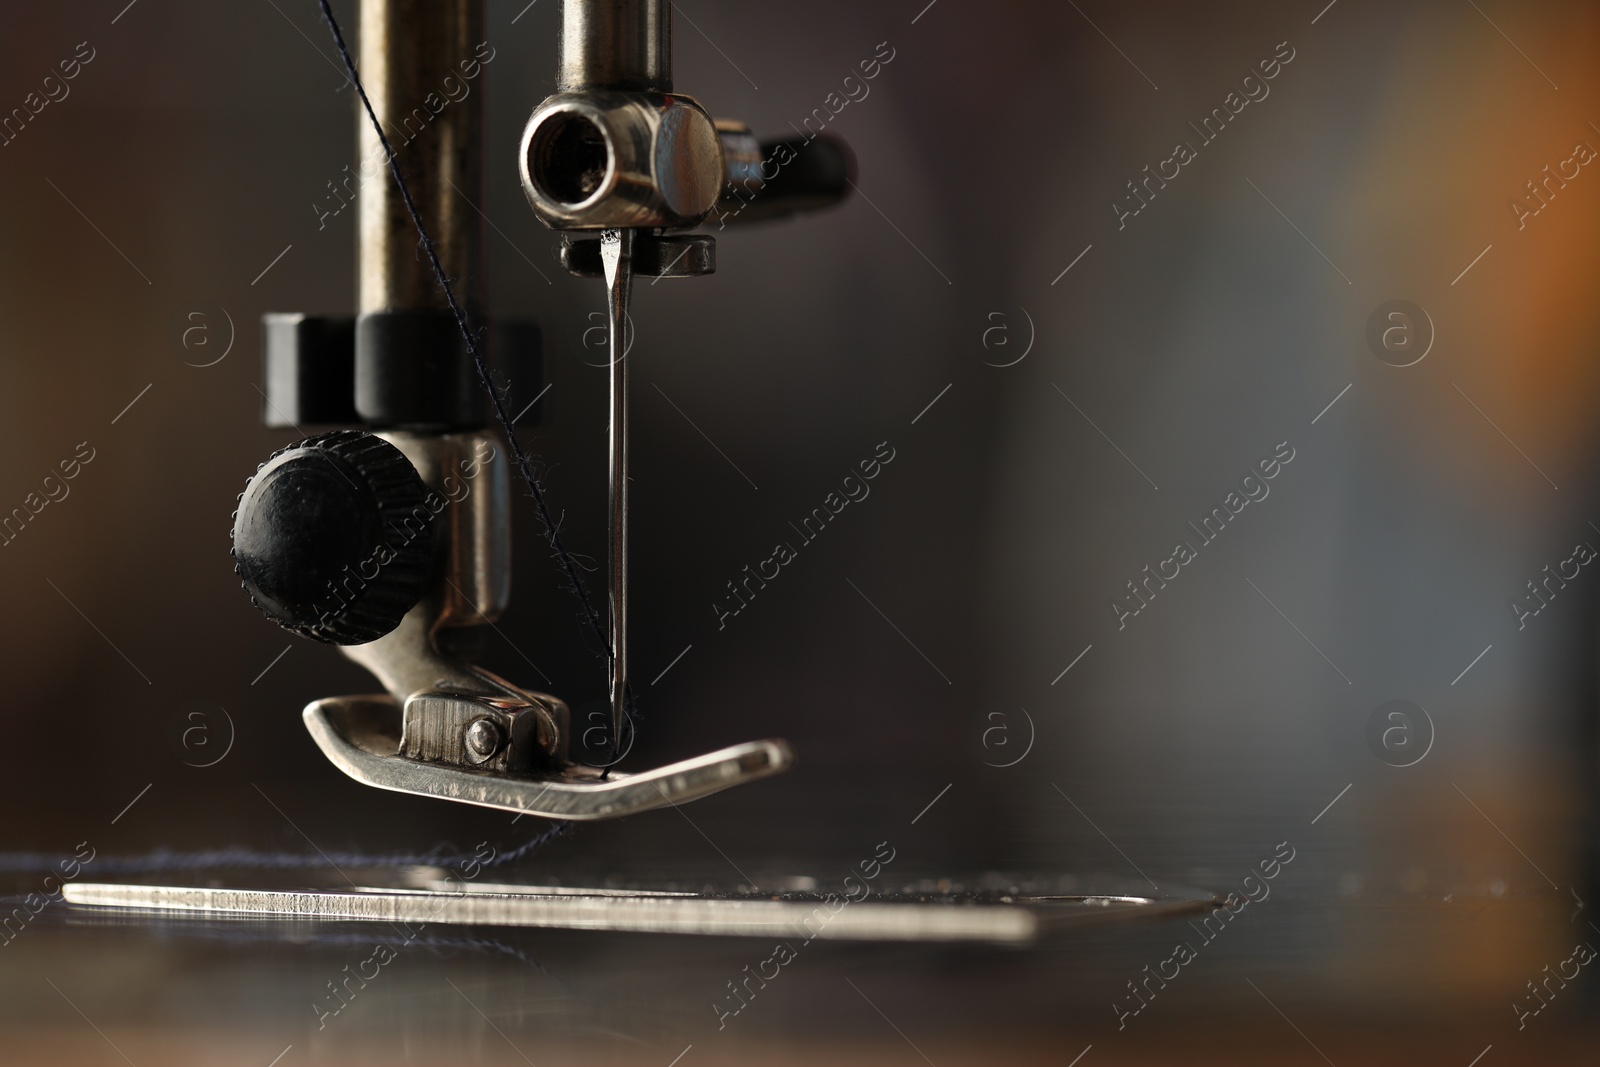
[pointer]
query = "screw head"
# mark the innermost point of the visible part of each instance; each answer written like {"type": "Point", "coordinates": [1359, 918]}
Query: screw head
{"type": "Point", "coordinates": [482, 738]}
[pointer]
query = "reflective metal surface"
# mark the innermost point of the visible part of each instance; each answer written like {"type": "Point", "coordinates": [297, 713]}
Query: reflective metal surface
{"type": "Point", "coordinates": [361, 735]}
{"type": "Point", "coordinates": [616, 255]}
{"type": "Point", "coordinates": [616, 44]}
{"type": "Point", "coordinates": [453, 731]}
{"type": "Point", "coordinates": [471, 472]}
{"type": "Point", "coordinates": [601, 159]}
{"type": "Point", "coordinates": [473, 528]}
{"type": "Point", "coordinates": [901, 917]}
{"type": "Point", "coordinates": [421, 64]}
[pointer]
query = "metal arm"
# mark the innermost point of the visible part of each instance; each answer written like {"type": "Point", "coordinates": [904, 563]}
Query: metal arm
{"type": "Point", "coordinates": [369, 540]}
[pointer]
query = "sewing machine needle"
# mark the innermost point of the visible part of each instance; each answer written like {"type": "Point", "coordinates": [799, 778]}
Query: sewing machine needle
{"type": "Point", "coordinates": [616, 257]}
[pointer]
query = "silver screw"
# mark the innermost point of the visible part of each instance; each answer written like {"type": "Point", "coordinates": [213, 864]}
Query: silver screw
{"type": "Point", "coordinates": [482, 738]}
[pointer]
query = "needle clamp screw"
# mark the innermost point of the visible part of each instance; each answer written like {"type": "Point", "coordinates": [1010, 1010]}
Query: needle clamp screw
{"type": "Point", "coordinates": [482, 739]}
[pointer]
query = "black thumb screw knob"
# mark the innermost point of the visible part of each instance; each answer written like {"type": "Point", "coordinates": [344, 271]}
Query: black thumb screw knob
{"type": "Point", "coordinates": [334, 538]}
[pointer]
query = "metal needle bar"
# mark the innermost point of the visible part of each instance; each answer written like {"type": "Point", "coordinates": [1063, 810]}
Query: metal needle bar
{"type": "Point", "coordinates": [616, 257]}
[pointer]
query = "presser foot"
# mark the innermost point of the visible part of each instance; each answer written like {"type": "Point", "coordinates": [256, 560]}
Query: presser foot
{"type": "Point", "coordinates": [363, 737]}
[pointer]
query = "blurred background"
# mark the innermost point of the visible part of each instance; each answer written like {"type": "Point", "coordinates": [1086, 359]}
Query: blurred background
{"type": "Point", "coordinates": [1069, 387]}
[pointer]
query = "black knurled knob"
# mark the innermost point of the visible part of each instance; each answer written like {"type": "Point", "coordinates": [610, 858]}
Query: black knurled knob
{"type": "Point", "coordinates": [334, 537]}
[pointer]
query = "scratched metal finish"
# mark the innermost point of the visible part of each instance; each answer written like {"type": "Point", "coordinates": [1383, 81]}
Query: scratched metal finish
{"type": "Point", "coordinates": [896, 918]}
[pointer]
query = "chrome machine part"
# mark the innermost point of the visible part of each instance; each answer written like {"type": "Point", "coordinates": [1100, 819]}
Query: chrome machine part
{"type": "Point", "coordinates": [938, 916]}
{"type": "Point", "coordinates": [450, 730]}
{"type": "Point", "coordinates": [408, 50]}
{"type": "Point", "coordinates": [412, 368]}
{"type": "Point", "coordinates": [615, 147]}
{"type": "Point", "coordinates": [445, 701]}
{"type": "Point", "coordinates": [471, 491]}
{"type": "Point", "coordinates": [594, 160]}
{"type": "Point", "coordinates": [362, 736]}
{"type": "Point", "coordinates": [616, 255]}
{"type": "Point", "coordinates": [614, 154]}
{"type": "Point", "coordinates": [615, 150]}
{"type": "Point", "coordinates": [616, 44]}
{"type": "Point", "coordinates": [451, 713]}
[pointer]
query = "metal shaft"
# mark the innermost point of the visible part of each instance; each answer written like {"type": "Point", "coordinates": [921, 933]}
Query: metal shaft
{"type": "Point", "coordinates": [616, 44]}
{"type": "Point", "coordinates": [422, 65]}
{"type": "Point", "coordinates": [616, 255]}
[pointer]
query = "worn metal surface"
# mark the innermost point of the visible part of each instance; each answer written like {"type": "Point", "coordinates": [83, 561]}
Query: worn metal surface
{"type": "Point", "coordinates": [616, 44]}
{"type": "Point", "coordinates": [361, 735]}
{"type": "Point", "coordinates": [616, 256]}
{"type": "Point", "coordinates": [408, 50]}
{"type": "Point", "coordinates": [995, 919]}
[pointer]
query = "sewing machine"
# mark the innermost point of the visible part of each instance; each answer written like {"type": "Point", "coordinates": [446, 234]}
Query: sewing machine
{"type": "Point", "coordinates": [1330, 717]}
{"type": "Point", "coordinates": [392, 538]}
